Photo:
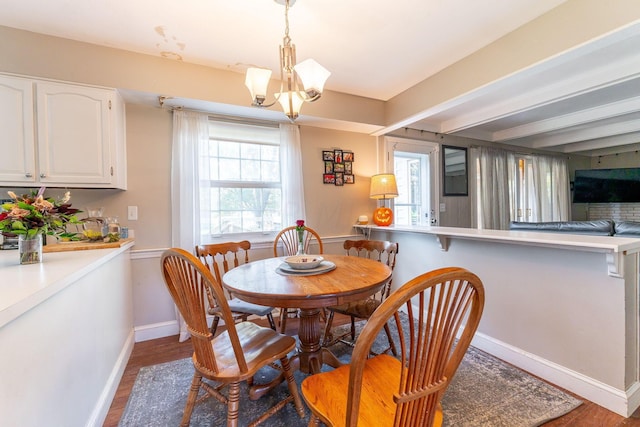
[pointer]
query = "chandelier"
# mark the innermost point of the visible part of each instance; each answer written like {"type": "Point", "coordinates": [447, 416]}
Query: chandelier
{"type": "Point", "coordinates": [308, 74]}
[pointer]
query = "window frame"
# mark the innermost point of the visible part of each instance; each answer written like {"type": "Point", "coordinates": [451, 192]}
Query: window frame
{"type": "Point", "coordinates": [239, 184]}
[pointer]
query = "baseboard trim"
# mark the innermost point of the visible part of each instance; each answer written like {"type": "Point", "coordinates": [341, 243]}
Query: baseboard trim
{"type": "Point", "coordinates": [156, 330]}
{"type": "Point", "coordinates": [616, 400]}
{"type": "Point", "coordinates": [101, 409]}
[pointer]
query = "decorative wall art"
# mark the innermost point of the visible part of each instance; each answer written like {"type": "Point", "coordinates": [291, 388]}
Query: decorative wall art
{"type": "Point", "coordinates": [338, 167]}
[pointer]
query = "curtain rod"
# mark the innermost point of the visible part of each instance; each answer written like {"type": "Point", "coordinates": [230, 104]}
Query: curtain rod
{"type": "Point", "coordinates": [524, 153]}
{"type": "Point", "coordinates": [220, 117]}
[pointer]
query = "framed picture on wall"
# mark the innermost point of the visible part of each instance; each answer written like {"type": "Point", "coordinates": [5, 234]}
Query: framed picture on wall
{"type": "Point", "coordinates": [337, 156]}
{"type": "Point", "coordinates": [338, 167]}
{"type": "Point", "coordinates": [339, 178]}
{"type": "Point", "coordinates": [329, 178]}
{"type": "Point", "coordinates": [328, 167]}
{"type": "Point", "coordinates": [348, 167]}
{"type": "Point", "coordinates": [349, 178]}
{"type": "Point", "coordinates": [347, 156]}
{"type": "Point", "coordinates": [327, 156]}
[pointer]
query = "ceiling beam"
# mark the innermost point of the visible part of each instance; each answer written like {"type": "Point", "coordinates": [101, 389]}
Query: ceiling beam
{"type": "Point", "coordinates": [590, 115]}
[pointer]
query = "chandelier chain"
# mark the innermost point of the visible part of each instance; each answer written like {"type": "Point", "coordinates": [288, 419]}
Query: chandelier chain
{"type": "Point", "coordinates": [286, 23]}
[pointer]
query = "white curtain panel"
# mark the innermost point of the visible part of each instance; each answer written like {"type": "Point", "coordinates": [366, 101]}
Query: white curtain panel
{"type": "Point", "coordinates": [551, 201]}
{"type": "Point", "coordinates": [497, 196]}
{"type": "Point", "coordinates": [190, 130]}
{"type": "Point", "coordinates": [493, 201]}
{"type": "Point", "coordinates": [291, 174]}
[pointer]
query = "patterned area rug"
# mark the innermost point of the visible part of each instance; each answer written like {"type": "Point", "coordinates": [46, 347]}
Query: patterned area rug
{"type": "Point", "coordinates": [484, 392]}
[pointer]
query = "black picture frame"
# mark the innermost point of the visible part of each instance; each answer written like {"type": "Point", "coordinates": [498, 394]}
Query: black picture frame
{"type": "Point", "coordinates": [349, 178]}
{"type": "Point", "coordinates": [328, 178]}
{"type": "Point", "coordinates": [327, 156]}
{"type": "Point", "coordinates": [339, 179]}
{"type": "Point", "coordinates": [328, 167]}
{"type": "Point", "coordinates": [337, 156]}
{"type": "Point", "coordinates": [455, 181]}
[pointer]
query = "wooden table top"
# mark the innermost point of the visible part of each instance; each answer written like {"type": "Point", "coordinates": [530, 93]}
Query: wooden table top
{"type": "Point", "coordinates": [353, 279]}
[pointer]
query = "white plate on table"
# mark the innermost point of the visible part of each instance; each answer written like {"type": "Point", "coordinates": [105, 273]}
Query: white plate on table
{"type": "Point", "coordinates": [322, 268]}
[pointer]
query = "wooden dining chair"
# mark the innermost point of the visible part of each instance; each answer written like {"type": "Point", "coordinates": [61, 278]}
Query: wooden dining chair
{"type": "Point", "coordinates": [288, 239]}
{"type": "Point", "coordinates": [405, 391]}
{"type": "Point", "coordinates": [379, 250]}
{"type": "Point", "coordinates": [233, 356]}
{"type": "Point", "coordinates": [220, 258]}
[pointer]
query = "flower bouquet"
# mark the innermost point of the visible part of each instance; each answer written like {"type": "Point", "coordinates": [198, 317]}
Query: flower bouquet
{"type": "Point", "coordinates": [31, 216]}
{"type": "Point", "coordinates": [300, 229]}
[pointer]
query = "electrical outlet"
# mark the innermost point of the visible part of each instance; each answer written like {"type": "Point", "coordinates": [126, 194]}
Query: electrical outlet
{"type": "Point", "coordinates": [132, 213]}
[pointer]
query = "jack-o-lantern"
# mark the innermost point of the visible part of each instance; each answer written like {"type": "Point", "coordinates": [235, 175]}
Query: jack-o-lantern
{"type": "Point", "coordinates": [383, 216]}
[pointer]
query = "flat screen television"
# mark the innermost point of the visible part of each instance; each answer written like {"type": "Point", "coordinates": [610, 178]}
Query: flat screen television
{"type": "Point", "coordinates": [607, 186]}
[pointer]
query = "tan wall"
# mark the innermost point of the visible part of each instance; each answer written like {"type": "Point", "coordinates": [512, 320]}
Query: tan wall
{"type": "Point", "coordinates": [332, 210]}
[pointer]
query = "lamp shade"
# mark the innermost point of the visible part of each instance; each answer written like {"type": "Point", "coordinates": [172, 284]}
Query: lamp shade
{"type": "Point", "coordinates": [383, 186]}
{"type": "Point", "coordinates": [257, 80]}
{"type": "Point", "coordinates": [313, 76]}
{"type": "Point", "coordinates": [291, 103]}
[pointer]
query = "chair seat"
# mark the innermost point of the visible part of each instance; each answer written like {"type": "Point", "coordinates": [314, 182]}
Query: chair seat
{"type": "Point", "coordinates": [362, 309]}
{"type": "Point", "coordinates": [260, 346]}
{"type": "Point", "coordinates": [381, 378]}
{"type": "Point", "coordinates": [238, 306]}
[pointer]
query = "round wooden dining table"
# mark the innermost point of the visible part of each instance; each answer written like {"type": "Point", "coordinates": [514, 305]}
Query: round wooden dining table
{"type": "Point", "coordinates": [262, 282]}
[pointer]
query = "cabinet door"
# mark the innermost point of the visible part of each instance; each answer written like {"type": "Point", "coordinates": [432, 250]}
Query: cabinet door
{"type": "Point", "coordinates": [73, 134]}
{"type": "Point", "coordinates": [17, 158]}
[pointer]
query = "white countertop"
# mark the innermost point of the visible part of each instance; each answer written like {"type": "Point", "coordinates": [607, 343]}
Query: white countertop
{"type": "Point", "coordinates": [615, 248]}
{"type": "Point", "coordinates": [534, 238]}
{"type": "Point", "coordinates": [23, 287]}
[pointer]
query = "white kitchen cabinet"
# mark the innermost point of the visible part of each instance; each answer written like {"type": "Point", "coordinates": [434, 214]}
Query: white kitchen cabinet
{"type": "Point", "coordinates": [17, 142]}
{"type": "Point", "coordinates": [75, 138]}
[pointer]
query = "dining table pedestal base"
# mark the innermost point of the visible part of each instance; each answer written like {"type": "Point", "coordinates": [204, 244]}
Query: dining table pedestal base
{"type": "Point", "coordinates": [311, 355]}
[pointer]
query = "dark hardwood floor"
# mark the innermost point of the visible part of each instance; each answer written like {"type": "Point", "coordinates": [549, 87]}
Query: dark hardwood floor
{"type": "Point", "coordinates": [167, 349]}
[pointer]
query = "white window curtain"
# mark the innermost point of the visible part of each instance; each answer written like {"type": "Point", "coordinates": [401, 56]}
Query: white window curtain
{"type": "Point", "coordinates": [190, 135]}
{"type": "Point", "coordinates": [291, 173]}
{"type": "Point", "coordinates": [190, 131]}
{"type": "Point", "coordinates": [540, 188]}
{"type": "Point", "coordinates": [492, 192]}
{"type": "Point", "coordinates": [550, 182]}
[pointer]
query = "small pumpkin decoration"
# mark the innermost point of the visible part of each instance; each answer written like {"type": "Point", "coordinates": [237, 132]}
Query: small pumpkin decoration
{"type": "Point", "coordinates": [383, 216]}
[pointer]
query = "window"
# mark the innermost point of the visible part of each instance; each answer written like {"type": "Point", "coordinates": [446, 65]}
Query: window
{"type": "Point", "coordinates": [414, 167]}
{"type": "Point", "coordinates": [240, 180]}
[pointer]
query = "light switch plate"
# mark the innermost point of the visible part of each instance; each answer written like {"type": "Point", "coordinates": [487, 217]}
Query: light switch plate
{"type": "Point", "coordinates": [132, 213]}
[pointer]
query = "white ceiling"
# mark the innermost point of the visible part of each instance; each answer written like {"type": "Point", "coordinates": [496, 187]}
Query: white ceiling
{"type": "Point", "coordinates": [395, 44]}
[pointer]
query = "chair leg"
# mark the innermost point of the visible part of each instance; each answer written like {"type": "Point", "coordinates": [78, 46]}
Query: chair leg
{"type": "Point", "coordinates": [271, 321]}
{"type": "Point", "coordinates": [314, 421]}
{"type": "Point", "coordinates": [233, 405]}
{"type": "Point", "coordinates": [392, 344]}
{"type": "Point", "coordinates": [327, 330]}
{"type": "Point", "coordinates": [214, 325]}
{"type": "Point", "coordinates": [353, 328]}
{"type": "Point", "coordinates": [191, 399]}
{"type": "Point", "coordinates": [284, 313]}
{"type": "Point", "coordinates": [293, 387]}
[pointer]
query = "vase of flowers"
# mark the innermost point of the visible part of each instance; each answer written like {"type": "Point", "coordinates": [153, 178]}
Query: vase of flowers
{"type": "Point", "coordinates": [31, 216]}
{"type": "Point", "coordinates": [300, 229]}
{"type": "Point", "coordinates": [30, 249]}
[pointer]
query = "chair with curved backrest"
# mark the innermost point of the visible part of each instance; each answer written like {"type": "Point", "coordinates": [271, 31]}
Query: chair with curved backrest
{"type": "Point", "coordinates": [404, 391]}
{"type": "Point", "coordinates": [236, 354]}
{"type": "Point", "coordinates": [288, 239]}
{"type": "Point", "coordinates": [382, 251]}
{"type": "Point", "coordinates": [216, 258]}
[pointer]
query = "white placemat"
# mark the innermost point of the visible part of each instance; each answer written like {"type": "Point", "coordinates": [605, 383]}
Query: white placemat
{"type": "Point", "coordinates": [324, 267]}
